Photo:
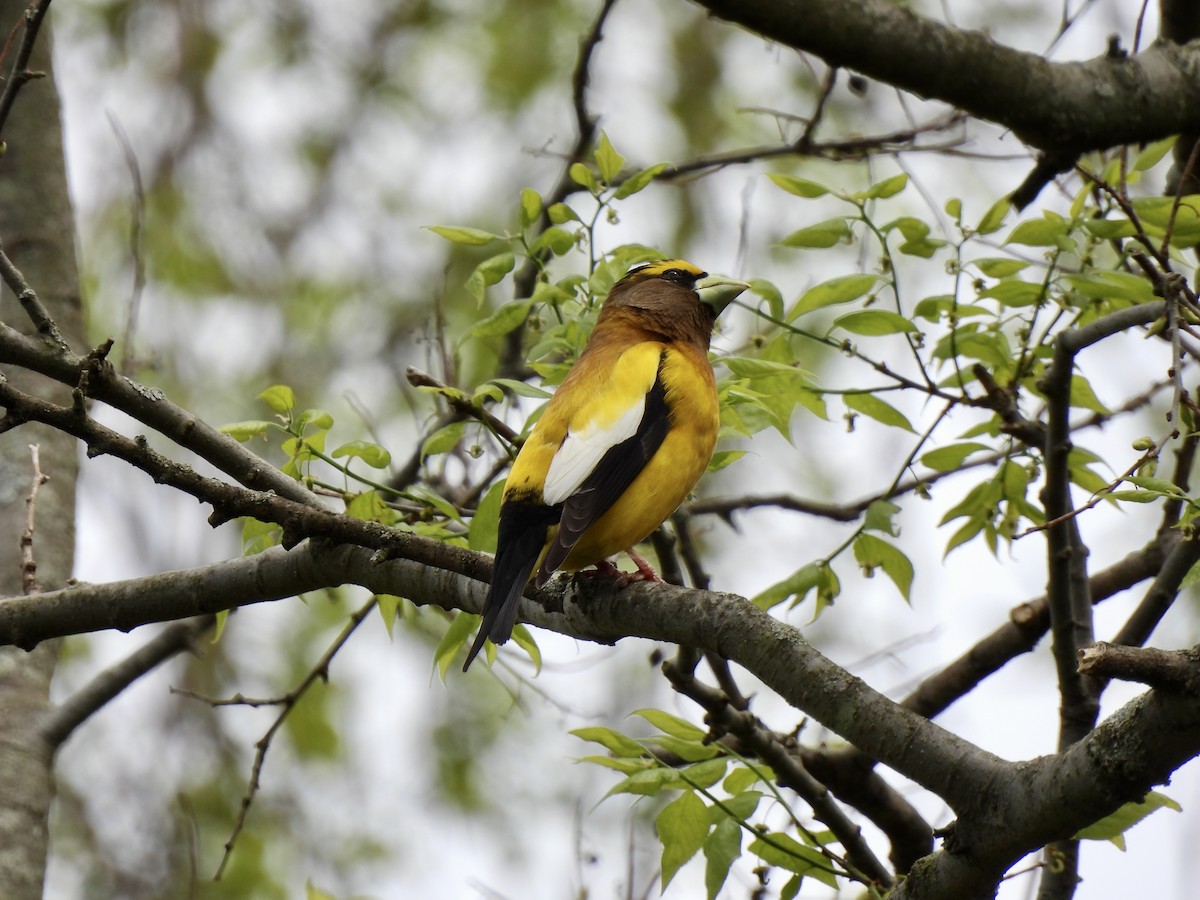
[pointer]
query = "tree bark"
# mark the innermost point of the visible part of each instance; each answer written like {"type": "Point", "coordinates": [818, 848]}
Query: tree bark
{"type": "Point", "coordinates": [38, 232]}
{"type": "Point", "coordinates": [1062, 109]}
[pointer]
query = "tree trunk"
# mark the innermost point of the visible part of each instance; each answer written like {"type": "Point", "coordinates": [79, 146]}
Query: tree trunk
{"type": "Point", "coordinates": [38, 233]}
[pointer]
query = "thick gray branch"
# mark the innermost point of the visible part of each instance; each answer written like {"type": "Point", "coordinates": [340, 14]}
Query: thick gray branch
{"type": "Point", "coordinates": [1062, 109]}
{"type": "Point", "coordinates": [1005, 809]}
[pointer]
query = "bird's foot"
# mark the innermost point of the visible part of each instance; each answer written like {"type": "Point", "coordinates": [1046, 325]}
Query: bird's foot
{"type": "Point", "coordinates": [605, 569]}
{"type": "Point", "coordinates": [645, 571]}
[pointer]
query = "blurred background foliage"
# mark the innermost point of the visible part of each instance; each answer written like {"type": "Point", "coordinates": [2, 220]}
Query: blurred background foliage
{"type": "Point", "coordinates": [253, 183]}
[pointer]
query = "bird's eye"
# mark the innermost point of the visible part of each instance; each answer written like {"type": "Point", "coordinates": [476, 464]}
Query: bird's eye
{"type": "Point", "coordinates": [678, 276]}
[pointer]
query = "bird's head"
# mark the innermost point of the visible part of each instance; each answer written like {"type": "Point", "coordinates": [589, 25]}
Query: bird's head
{"type": "Point", "coordinates": [674, 297]}
{"type": "Point", "coordinates": [715, 291]}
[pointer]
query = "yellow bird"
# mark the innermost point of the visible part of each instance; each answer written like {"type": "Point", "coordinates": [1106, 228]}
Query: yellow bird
{"type": "Point", "coordinates": [623, 440]}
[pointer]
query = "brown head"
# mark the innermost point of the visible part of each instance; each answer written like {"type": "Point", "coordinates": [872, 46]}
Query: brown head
{"type": "Point", "coordinates": [670, 299]}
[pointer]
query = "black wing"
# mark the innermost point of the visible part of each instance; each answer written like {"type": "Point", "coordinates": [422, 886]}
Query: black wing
{"type": "Point", "coordinates": [521, 536]}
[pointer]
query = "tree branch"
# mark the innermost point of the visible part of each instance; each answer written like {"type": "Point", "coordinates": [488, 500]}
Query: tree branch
{"type": "Point", "coordinates": [91, 698]}
{"type": "Point", "coordinates": [1168, 670]}
{"type": "Point", "coordinates": [1129, 99]}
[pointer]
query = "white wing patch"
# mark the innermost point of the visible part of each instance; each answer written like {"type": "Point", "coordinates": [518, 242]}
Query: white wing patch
{"type": "Point", "coordinates": [582, 451]}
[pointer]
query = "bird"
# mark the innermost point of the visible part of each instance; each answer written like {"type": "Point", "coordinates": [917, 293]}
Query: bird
{"type": "Point", "coordinates": [620, 444]}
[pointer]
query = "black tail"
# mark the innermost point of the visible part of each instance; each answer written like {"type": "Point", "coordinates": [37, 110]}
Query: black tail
{"type": "Point", "coordinates": [520, 540]}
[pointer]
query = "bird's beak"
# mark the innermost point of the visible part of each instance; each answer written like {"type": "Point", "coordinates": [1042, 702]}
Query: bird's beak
{"type": "Point", "coordinates": [718, 292]}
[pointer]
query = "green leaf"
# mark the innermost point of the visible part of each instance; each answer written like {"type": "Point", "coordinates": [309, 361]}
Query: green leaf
{"type": "Point", "coordinates": [372, 454]}
{"type": "Point", "coordinates": [881, 190]}
{"type": "Point", "coordinates": [874, 322]}
{"type": "Point", "coordinates": [931, 309]}
{"type": "Point", "coordinates": [521, 388]}
{"type": "Point", "coordinates": [1083, 397]}
{"type": "Point", "coordinates": [770, 293]}
{"type": "Point", "coordinates": [608, 160]}
{"type": "Point", "coordinates": [671, 724]}
{"type": "Point", "coordinates": [707, 773]}
{"type": "Point", "coordinates": [555, 239]}
{"type": "Point", "coordinates": [1015, 293]}
{"type": "Point", "coordinates": [872, 552]}
{"type": "Point", "coordinates": [784, 851]}
{"type": "Point", "coordinates": [1099, 285]}
{"type": "Point", "coordinates": [999, 267]}
{"type": "Point", "coordinates": [637, 181]}
{"type": "Point", "coordinates": [740, 779]}
{"type": "Point", "coordinates": [612, 741]}
{"type": "Point", "coordinates": [801, 187]}
{"type": "Point", "coordinates": [459, 234]}
{"type": "Point", "coordinates": [243, 431]}
{"type": "Point", "coordinates": [682, 827]}
{"type": "Point", "coordinates": [994, 217]}
{"type": "Point", "coordinates": [460, 630]}
{"type": "Point", "coordinates": [879, 410]}
{"type": "Point", "coordinates": [740, 807]}
{"type": "Point", "coordinates": [312, 892]}
{"type": "Point", "coordinates": [1157, 213]}
{"type": "Point", "coordinates": [1109, 229]}
{"type": "Point", "coordinates": [1158, 485]}
{"type": "Point", "coordinates": [280, 398]}
{"type": "Point", "coordinates": [523, 639]}
{"type": "Point", "coordinates": [722, 846]}
{"type": "Point", "coordinates": [531, 207]}
{"type": "Point", "coordinates": [560, 213]}
{"type": "Point", "coordinates": [751, 367]}
{"type": "Point", "coordinates": [318, 418]}
{"type": "Point", "coordinates": [507, 318]}
{"type": "Point", "coordinates": [258, 536]}
{"type": "Point", "coordinates": [481, 533]}
{"type": "Point", "coordinates": [950, 457]}
{"type": "Point", "coordinates": [723, 458]}
{"type": "Point", "coordinates": [443, 440]}
{"type": "Point", "coordinates": [1150, 156]}
{"type": "Point", "coordinates": [829, 293]}
{"type": "Point", "coordinates": [1043, 232]}
{"type": "Point", "coordinates": [388, 605]}
{"type": "Point", "coordinates": [812, 575]}
{"type": "Point", "coordinates": [368, 506]}
{"type": "Point", "coordinates": [584, 177]}
{"type": "Point", "coordinates": [1113, 826]}
{"type": "Point", "coordinates": [880, 517]}
{"type": "Point", "coordinates": [689, 751]}
{"type": "Point", "coordinates": [819, 236]}
{"type": "Point", "coordinates": [490, 271]}
{"type": "Point", "coordinates": [649, 783]}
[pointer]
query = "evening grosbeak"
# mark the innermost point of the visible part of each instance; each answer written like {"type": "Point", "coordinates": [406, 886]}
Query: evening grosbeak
{"type": "Point", "coordinates": [623, 440]}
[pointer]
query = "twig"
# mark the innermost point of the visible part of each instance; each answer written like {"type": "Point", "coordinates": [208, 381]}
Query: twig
{"type": "Point", "coordinates": [29, 301]}
{"type": "Point", "coordinates": [29, 582]}
{"type": "Point", "coordinates": [417, 378]}
{"type": "Point", "coordinates": [20, 74]}
{"type": "Point", "coordinates": [318, 671]}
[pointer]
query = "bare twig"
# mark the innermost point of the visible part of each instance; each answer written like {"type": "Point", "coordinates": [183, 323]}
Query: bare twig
{"type": "Point", "coordinates": [320, 671]}
{"type": "Point", "coordinates": [20, 74]}
{"type": "Point", "coordinates": [29, 301]}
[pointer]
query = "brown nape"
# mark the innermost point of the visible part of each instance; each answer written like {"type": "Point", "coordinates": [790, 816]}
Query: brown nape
{"type": "Point", "coordinates": [670, 311]}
